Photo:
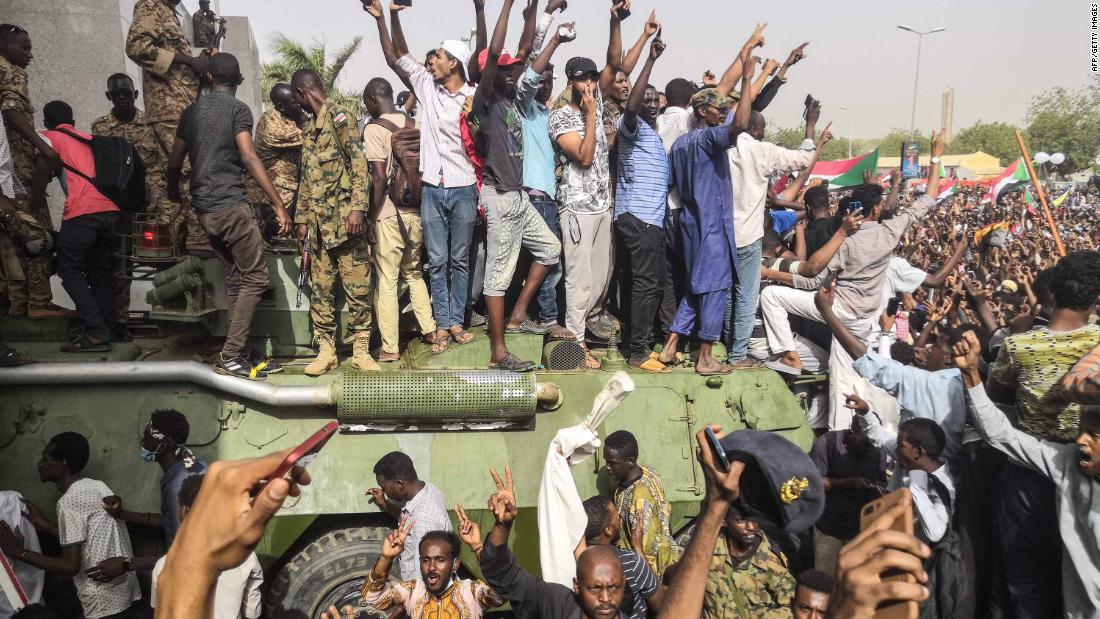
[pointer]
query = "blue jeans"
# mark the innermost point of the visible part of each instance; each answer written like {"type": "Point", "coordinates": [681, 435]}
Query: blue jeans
{"type": "Point", "coordinates": [741, 307]}
{"type": "Point", "coordinates": [86, 248]}
{"type": "Point", "coordinates": [548, 292]}
{"type": "Point", "coordinates": [448, 215]}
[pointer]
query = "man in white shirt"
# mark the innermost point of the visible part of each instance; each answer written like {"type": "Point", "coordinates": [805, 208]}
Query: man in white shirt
{"type": "Point", "coordinates": [87, 534]}
{"type": "Point", "coordinates": [752, 162]}
{"type": "Point", "coordinates": [237, 595]}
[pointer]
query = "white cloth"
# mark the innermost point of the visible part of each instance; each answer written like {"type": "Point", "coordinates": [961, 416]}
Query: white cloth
{"type": "Point", "coordinates": [82, 520]}
{"type": "Point", "coordinates": [561, 516]}
{"type": "Point", "coordinates": [443, 158]}
{"type": "Point", "coordinates": [901, 277]}
{"type": "Point", "coordinates": [671, 124]}
{"type": "Point", "coordinates": [751, 165]}
{"type": "Point", "coordinates": [30, 577]}
{"type": "Point", "coordinates": [237, 594]}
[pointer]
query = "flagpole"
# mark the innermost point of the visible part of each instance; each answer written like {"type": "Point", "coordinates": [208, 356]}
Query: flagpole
{"type": "Point", "coordinates": [1042, 195]}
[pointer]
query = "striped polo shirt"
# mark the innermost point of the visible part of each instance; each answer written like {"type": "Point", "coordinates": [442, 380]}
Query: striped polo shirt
{"type": "Point", "coordinates": [642, 185]}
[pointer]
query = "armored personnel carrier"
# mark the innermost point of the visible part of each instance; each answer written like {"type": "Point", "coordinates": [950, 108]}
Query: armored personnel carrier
{"type": "Point", "coordinates": [452, 416]}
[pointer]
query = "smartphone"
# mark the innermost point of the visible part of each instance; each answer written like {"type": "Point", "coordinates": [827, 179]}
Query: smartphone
{"type": "Point", "coordinates": [717, 449]}
{"type": "Point", "coordinates": [621, 13]}
{"type": "Point", "coordinates": [403, 2]}
{"type": "Point", "coordinates": [304, 453]}
{"type": "Point", "coordinates": [854, 207]}
{"type": "Point", "coordinates": [871, 512]}
{"type": "Point", "coordinates": [806, 105]}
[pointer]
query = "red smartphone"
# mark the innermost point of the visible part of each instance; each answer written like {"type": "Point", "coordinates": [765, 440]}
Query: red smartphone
{"type": "Point", "coordinates": [304, 453]}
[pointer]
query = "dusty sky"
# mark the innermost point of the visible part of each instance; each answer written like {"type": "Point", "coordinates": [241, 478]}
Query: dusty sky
{"type": "Point", "coordinates": [995, 54]}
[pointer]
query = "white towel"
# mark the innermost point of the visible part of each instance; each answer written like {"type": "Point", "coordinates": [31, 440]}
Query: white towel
{"type": "Point", "coordinates": [30, 578]}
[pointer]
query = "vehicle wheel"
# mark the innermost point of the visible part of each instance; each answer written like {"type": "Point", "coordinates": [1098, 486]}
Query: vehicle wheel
{"type": "Point", "coordinates": [328, 572]}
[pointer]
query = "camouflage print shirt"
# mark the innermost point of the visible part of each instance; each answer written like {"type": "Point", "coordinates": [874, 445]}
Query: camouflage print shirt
{"type": "Point", "coordinates": [760, 587]}
{"type": "Point", "coordinates": [334, 174]}
{"type": "Point", "coordinates": [15, 96]}
{"type": "Point", "coordinates": [278, 144]}
{"type": "Point", "coordinates": [154, 39]}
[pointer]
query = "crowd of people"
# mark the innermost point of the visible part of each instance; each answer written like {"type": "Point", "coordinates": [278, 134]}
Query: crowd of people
{"type": "Point", "coordinates": [958, 333]}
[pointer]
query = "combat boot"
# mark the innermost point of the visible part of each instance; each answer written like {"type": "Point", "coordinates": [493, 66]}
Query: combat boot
{"type": "Point", "coordinates": [360, 354]}
{"type": "Point", "coordinates": [326, 357]}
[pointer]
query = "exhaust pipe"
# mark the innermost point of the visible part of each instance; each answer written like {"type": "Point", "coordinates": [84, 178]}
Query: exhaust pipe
{"type": "Point", "coordinates": [168, 371]}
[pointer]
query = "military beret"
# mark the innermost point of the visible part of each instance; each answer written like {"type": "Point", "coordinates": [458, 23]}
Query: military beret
{"type": "Point", "coordinates": [710, 96]}
{"type": "Point", "coordinates": [780, 486]}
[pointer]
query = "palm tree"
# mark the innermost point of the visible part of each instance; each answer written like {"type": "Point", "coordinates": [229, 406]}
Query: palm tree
{"type": "Point", "coordinates": [292, 55]}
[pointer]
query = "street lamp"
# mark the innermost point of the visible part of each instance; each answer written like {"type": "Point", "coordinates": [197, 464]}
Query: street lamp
{"type": "Point", "coordinates": [916, 76]}
{"type": "Point", "coordinates": [847, 109]}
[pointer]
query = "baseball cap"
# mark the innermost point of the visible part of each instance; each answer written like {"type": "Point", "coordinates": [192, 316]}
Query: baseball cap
{"type": "Point", "coordinates": [780, 487]}
{"type": "Point", "coordinates": [579, 67]}
{"type": "Point", "coordinates": [709, 96]}
{"type": "Point", "coordinates": [505, 59]}
{"type": "Point", "coordinates": [1010, 286]}
{"type": "Point", "coordinates": [458, 49]}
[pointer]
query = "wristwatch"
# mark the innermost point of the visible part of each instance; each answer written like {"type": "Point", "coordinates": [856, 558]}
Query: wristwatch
{"type": "Point", "coordinates": [935, 160]}
{"type": "Point", "coordinates": [128, 564]}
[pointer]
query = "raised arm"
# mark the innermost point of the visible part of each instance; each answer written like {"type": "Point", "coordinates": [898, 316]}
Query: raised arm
{"type": "Point", "coordinates": [937, 280]}
{"type": "Point", "coordinates": [635, 53]}
{"type": "Point", "coordinates": [793, 58]}
{"type": "Point", "coordinates": [542, 61]}
{"type": "Point", "coordinates": [614, 47]}
{"type": "Point", "coordinates": [733, 73]}
{"type": "Point", "coordinates": [486, 88]}
{"type": "Point", "coordinates": [744, 104]}
{"type": "Point", "coordinates": [527, 37]}
{"type": "Point", "coordinates": [473, 69]}
{"type": "Point", "coordinates": [637, 93]}
{"type": "Point", "coordinates": [399, 43]}
{"type": "Point", "coordinates": [770, 65]}
{"type": "Point", "coordinates": [389, 52]}
{"type": "Point", "coordinates": [792, 191]}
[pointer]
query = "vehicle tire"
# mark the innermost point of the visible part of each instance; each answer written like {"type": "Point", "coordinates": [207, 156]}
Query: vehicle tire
{"type": "Point", "coordinates": [329, 571]}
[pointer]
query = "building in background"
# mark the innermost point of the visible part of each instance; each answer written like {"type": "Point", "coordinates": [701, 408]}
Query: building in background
{"type": "Point", "coordinates": [975, 166]}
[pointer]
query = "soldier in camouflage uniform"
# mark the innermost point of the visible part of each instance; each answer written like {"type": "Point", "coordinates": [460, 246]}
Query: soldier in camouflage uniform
{"type": "Point", "coordinates": [29, 278]}
{"type": "Point", "coordinates": [747, 577]}
{"type": "Point", "coordinates": [204, 25]}
{"type": "Point", "coordinates": [332, 205]}
{"type": "Point", "coordinates": [126, 121]}
{"type": "Point", "coordinates": [170, 78]}
{"type": "Point", "coordinates": [278, 143]}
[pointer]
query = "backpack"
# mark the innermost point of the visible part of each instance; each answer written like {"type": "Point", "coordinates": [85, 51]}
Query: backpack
{"type": "Point", "coordinates": [119, 171]}
{"type": "Point", "coordinates": [403, 184]}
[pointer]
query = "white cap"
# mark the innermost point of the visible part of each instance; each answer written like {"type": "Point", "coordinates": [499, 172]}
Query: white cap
{"type": "Point", "coordinates": [458, 49]}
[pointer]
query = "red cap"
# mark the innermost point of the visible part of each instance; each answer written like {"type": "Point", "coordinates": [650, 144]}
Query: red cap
{"type": "Point", "coordinates": [504, 60]}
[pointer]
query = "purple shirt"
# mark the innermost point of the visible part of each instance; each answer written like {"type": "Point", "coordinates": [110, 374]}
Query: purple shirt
{"type": "Point", "coordinates": [700, 173]}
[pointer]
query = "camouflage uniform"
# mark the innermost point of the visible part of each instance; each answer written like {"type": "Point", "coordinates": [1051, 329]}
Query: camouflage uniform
{"type": "Point", "coordinates": [30, 282]}
{"type": "Point", "coordinates": [154, 39]}
{"type": "Point", "coordinates": [334, 183]}
{"type": "Point", "coordinates": [139, 133]}
{"type": "Point", "coordinates": [278, 144]}
{"type": "Point", "coordinates": [761, 587]}
{"type": "Point", "coordinates": [204, 24]}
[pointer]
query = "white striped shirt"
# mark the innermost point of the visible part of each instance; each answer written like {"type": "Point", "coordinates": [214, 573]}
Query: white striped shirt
{"type": "Point", "coordinates": [428, 511]}
{"type": "Point", "coordinates": [443, 159]}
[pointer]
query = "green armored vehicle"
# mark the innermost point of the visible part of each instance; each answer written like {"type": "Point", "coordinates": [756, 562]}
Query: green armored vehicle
{"type": "Point", "coordinates": [453, 418]}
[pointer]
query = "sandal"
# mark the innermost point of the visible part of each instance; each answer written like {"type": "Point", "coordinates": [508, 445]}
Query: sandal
{"type": "Point", "coordinates": [439, 344]}
{"type": "Point", "coordinates": [461, 337]}
{"type": "Point", "coordinates": [512, 363]}
{"type": "Point", "coordinates": [85, 343]}
{"type": "Point", "coordinates": [650, 364]}
{"type": "Point", "coordinates": [529, 326]}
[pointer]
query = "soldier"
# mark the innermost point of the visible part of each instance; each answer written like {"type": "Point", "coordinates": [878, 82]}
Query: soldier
{"type": "Point", "coordinates": [278, 143]}
{"type": "Point", "coordinates": [331, 216]}
{"type": "Point", "coordinates": [747, 577]}
{"type": "Point", "coordinates": [29, 289]}
{"type": "Point", "coordinates": [205, 26]}
{"type": "Point", "coordinates": [170, 78]}
{"type": "Point", "coordinates": [126, 121]}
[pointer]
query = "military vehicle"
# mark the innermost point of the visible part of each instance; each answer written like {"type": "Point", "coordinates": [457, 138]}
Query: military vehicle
{"type": "Point", "coordinates": [452, 416]}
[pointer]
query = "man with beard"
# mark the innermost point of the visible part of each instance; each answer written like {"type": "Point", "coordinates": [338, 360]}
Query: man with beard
{"type": "Point", "coordinates": [438, 592]}
{"type": "Point", "coordinates": [597, 589]}
{"type": "Point", "coordinates": [512, 222]}
{"type": "Point", "coordinates": [278, 143]}
{"type": "Point", "coordinates": [126, 121]}
{"type": "Point", "coordinates": [644, 592]}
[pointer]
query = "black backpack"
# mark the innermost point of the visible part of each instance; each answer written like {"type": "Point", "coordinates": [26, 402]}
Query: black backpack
{"type": "Point", "coordinates": [119, 171]}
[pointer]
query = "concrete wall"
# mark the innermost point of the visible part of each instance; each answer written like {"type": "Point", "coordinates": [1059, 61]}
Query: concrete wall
{"type": "Point", "coordinates": [240, 42]}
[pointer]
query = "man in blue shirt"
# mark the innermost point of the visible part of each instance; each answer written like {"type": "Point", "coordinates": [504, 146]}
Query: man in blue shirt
{"type": "Point", "coordinates": [641, 199]}
{"type": "Point", "coordinates": [700, 172]}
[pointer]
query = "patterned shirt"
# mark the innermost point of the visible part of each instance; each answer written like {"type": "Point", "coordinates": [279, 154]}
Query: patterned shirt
{"type": "Point", "coordinates": [581, 190]}
{"type": "Point", "coordinates": [443, 159]}
{"type": "Point", "coordinates": [760, 586]}
{"type": "Point", "coordinates": [1035, 362]}
{"type": "Point", "coordinates": [641, 583]}
{"type": "Point", "coordinates": [428, 512]}
{"type": "Point", "coordinates": [644, 502]}
{"type": "Point", "coordinates": [82, 520]}
{"type": "Point", "coordinates": [464, 599]}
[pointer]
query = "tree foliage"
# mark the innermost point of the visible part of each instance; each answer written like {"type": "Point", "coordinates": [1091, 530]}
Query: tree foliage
{"type": "Point", "coordinates": [291, 56]}
{"type": "Point", "coordinates": [890, 144]}
{"type": "Point", "coordinates": [1066, 120]}
{"type": "Point", "coordinates": [837, 148]}
{"type": "Point", "coordinates": [997, 139]}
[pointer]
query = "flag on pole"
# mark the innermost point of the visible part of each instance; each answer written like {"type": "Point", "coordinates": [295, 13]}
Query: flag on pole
{"type": "Point", "coordinates": [10, 586]}
{"type": "Point", "coordinates": [1029, 201]}
{"type": "Point", "coordinates": [948, 188]}
{"type": "Point", "coordinates": [1013, 176]}
{"type": "Point", "coordinates": [846, 172]}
